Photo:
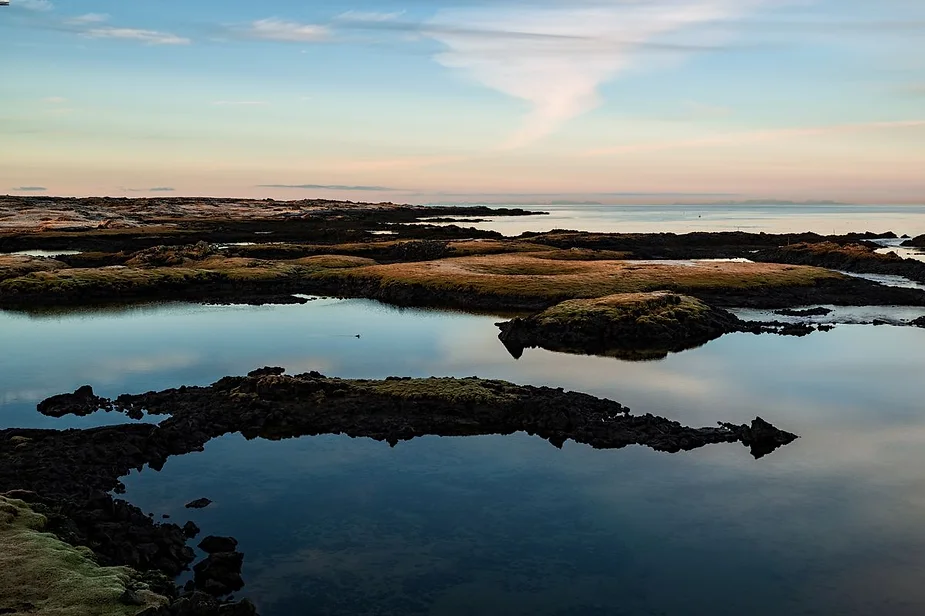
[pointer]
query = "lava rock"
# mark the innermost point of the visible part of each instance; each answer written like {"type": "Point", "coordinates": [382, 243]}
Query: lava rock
{"type": "Point", "coordinates": [220, 573]}
{"type": "Point", "coordinates": [809, 312]}
{"type": "Point", "coordinates": [213, 544]}
{"type": "Point", "coordinates": [268, 371]}
{"type": "Point", "coordinates": [82, 402]}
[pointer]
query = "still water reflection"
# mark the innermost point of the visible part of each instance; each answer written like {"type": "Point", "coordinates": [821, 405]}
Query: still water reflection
{"type": "Point", "coordinates": [491, 525]}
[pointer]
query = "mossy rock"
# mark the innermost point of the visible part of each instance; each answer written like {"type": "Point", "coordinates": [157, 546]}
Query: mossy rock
{"type": "Point", "coordinates": [40, 574]}
{"type": "Point", "coordinates": [629, 325]}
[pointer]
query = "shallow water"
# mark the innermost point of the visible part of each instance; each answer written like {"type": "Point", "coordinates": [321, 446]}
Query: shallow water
{"type": "Point", "coordinates": [822, 219]}
{"type": "Point", "coordinates": [829, 524]}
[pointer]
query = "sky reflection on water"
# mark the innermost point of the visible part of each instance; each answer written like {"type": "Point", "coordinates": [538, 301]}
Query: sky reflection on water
{"type": "Point", "coordinates": [829, 524]}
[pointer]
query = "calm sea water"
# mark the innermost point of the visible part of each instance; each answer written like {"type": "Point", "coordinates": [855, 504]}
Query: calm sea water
{"type": "Point", "coordinates": [511, 525]}
{"type": "Point", "coordinates": [824, 219]}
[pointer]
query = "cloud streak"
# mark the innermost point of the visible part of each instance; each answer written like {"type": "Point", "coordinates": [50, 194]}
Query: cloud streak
{"type": "Point", "coordinates": [272, 29]}
{"type": "Point", "coordinates": [30, 189]}
{"type": "Point", "coordinates": [149, 37]}
{"type": "Point", "coordinates": [556, 57]}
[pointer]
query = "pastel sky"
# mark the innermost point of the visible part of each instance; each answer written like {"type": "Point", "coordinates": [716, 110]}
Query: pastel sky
{"type": "Point", "coordinates": [465, 100]}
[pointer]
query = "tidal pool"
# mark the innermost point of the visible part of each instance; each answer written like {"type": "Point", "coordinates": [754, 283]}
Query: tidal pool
{"type": "Point", "coordinates": [510, 524]}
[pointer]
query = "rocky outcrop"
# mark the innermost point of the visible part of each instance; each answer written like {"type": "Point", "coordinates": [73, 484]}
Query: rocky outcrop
{"type": "Point", "coordinates": [808, 312]}
{"type": "Point", "coordinates": [634, 325]}
{"type": "Point", "coordinates": [637, 326]}
{"type": "Point", "coordinates": [915, 242]}
{"type": "Point", "coordinates": [857, 258]}
{"type": "Point", "coordinates": [81, 403]}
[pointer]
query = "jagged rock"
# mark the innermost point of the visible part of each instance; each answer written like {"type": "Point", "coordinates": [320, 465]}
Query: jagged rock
{"type": "Point", "coordinates": [190, 530]}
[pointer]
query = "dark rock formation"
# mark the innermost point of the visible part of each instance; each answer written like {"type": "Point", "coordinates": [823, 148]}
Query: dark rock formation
{"type": "Point", "coordinates": [638, 326]}
{"type": "Point", "coordinates": [809, 312]}
{"type": "Point", "coordinates": [81, 403]}
{"type": "Point", "coordinates": [212, 544]}
{"type": "Point", "coordinates": [857, 258]}
{"type": "Point", "coordinates": [220, 573]}
{"type": "Point", "coordinates": [199, 503]}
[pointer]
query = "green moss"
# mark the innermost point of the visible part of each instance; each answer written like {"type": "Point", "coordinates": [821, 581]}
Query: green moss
{"type": "Point", "coordinates": [449, 389]}
{"type": "Point", "coordinates": [54, 578]}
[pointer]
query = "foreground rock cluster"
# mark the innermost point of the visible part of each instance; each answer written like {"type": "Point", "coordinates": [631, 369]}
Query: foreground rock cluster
{"type": "Point", "coordinates": [67, 476]}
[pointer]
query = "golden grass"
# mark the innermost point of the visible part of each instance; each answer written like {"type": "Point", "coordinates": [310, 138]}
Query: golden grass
{"type": "Point", "coordinates": [128, 280]}
{"type": "Point", "coordinates": [532, 276]}
{"type": "Point", "coordinates": [474, 391]}
{"type": "Point", "coordinates": [655, 307]}
{"type": "Point", "coordinates": [57, 579]}
{"type": "Point", "coordinates": [13, 266]}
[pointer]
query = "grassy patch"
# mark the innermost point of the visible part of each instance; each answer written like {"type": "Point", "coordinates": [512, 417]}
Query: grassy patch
{"type": "Point", "coordinates": [116, 281]}
{"type": "Point", "coordinates": [643, 308]}
{"type": "Point", "coordinates": [473, 391]}
{"type": "Point", "coordinates": [54, 578]}
{"type": "Point", "coordinates": [533, 276]}
{"type": "Point", "coordinates": [13, 266]}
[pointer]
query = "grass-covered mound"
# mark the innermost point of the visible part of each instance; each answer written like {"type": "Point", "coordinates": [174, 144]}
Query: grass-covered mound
{"type": "Point", "coordinates": [39, 574]}
{"type": "Point", "coordinates": [535, 280]}
{"type": "Point", "coordinates": [169, 273]}
{"type": "Point", "coordinates": [629, 325]}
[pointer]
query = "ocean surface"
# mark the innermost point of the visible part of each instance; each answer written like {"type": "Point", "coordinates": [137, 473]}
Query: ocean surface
{"type": "Point", "coordinates": [830, 524]}
{"type": "Point", "coordinates": [823, 219]}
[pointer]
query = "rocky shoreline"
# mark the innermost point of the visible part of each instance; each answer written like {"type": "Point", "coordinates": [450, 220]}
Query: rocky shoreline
{"type": "Point", "coordinates": [68, 476]}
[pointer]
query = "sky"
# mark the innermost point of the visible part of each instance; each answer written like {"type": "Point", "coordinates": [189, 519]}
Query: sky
{"type": "Point", "coordinates": [465, 100]}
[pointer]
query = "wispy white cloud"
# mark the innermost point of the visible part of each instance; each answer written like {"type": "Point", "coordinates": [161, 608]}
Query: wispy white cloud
{"type": "Point", "coordinates": [150, 37]}
{"type": "Point", "coordinates": [368, 16]}
{"type": "Point", "coordinates": [273, 29]}
{"type": "Point", "coordinates": [241, 103]}
{"type": "Point", "coordinates": [557, 56]}
{"type": "Point", "coordinates": [54, 100]}
{"type": "Point", "coordinates": [756, 136]}
{"type": "Point", "coordinates": [89, 18]}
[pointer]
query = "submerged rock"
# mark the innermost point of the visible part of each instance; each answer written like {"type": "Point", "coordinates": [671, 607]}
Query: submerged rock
{"type": "Point", "coordinates": [199, 503]}
{"type": "Point", "coordinates": [629, 325]}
